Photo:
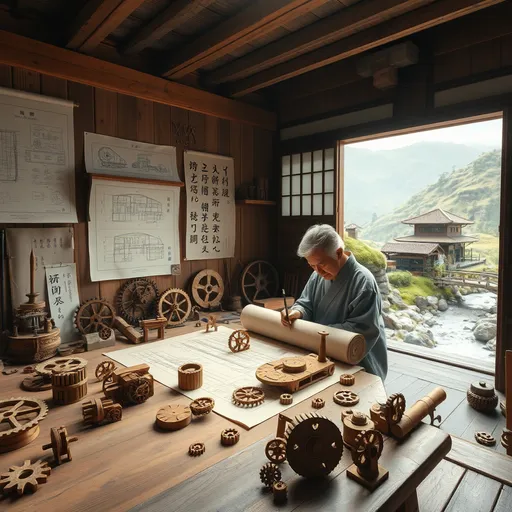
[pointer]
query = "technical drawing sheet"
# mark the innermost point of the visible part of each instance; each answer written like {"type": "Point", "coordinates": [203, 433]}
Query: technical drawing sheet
{"type": "Point", "coordinates": [223, 370]}
{"type": "Point", "coordinates": [211, 212]}
{"type": "Point", "coordinates": [129, 158]}
{"type": "Point", "coordinates": [37, 159]}
{"type": "Point", "coordinates": [133, 229]}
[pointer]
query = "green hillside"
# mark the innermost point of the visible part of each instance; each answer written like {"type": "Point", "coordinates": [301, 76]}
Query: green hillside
{"type": "Point", "coordinates": [472, 192]}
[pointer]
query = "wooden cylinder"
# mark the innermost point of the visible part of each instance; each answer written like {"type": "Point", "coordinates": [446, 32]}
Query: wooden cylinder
{"type": "Point", "coordinates": [190, 376]}
{"type": "Point", "coordinates": [354, 422]}
{"type": "Point", "coordinates": [422, 408]}
{"type": "Point", "coordinates": [69, 387]}
{"type": "Point", "coordinates": [323, 347]}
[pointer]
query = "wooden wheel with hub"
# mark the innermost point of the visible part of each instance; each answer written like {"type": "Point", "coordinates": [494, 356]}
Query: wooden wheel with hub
{"type": "Point", "coordinates": [19, 418]}
{"type": "Point", "coordinates": [368, 447]}
{"type": "Point", "coordinates": [239, 341]}
{"type": "Point", "coordinates": [94, 315]}
{"type": "Point", "coordinates": [174, 304]}
{"type": "Point", "coordinates": [395, 408]}
{"type": "Point", "coordinates": [314, 445]}
{"type": "Point", "coordinates": [202, 406]}
{"type": "Point", "coordinates": [207, 289]}
{"type": "Point", "coordinates": [136, 300]}
{"type": "Point", "coordinates": [276, 450]}
{"type": "Point", "coordinates": [104, 368]}
{"type": "Point", "coordinates": [259, 281]}
{"type": "Point", "coordinates": [139, 390]}
{"type": "Point", "coordinates": [346, 398]}
{"type": "Point", "coordinates": [60, 445]}
{"type": "Point", "coordinates": [249, 396]}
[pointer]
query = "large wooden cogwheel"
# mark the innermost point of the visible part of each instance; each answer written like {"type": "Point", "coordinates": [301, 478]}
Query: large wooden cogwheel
{"type": "Point", "coordinates": [174, 304]}
{"type": "Point", "coordinates": [314, 445]}
{"type": "Point", "coordinates": [60, 365]}
{"type": "Point", "coordinates": [93, 315]}
{"type": "Point", "coordinates": [259, 281]}
{"type": "Point", "coordinates": [207, 289]}
{"type": "Point", "coordinates": [136, 300]}
{"type": "Point", "coordinates": [19, 418]}
{"type": "Point", "coordinates": [394, 409]}
{"type": "Point", "coordinates": [24, 478]}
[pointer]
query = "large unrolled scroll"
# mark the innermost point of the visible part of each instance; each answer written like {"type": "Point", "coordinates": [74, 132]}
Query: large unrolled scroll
{"type": "Point", "coordinates": [344, 346]}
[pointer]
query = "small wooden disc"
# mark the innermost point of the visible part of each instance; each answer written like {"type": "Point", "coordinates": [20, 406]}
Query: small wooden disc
{"type": "Point", "coordinates": [36, 383]}
{"type": "Point", "coordinates": [173, 417]}
{"type": "Point", "coordinates": [294, 365]}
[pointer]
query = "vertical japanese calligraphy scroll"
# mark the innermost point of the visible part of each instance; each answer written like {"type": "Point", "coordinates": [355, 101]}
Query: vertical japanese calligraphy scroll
{"type": "Point", "coordinates": [211, 213]}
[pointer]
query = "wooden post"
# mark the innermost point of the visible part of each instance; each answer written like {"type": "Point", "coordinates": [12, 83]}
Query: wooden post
{"type": "Point", "coordinates": [323, 347]}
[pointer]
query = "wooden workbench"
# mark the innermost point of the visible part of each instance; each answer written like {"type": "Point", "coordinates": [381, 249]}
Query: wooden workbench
{"type": "Point", "coordinates": [132, 464]}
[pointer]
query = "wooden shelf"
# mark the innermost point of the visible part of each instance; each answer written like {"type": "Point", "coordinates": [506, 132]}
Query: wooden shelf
{"type": "Point", "coordinates": [259, 202]}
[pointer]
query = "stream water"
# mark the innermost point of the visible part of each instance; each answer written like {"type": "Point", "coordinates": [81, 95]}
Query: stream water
{"type": "Point", "coordinates": [453, 332]}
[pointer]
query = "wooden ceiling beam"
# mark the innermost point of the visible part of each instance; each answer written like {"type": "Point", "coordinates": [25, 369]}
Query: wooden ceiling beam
{"type": "Point", "coordinates": [177, 13]}
{"type": "Point", "coordinates": [344, 23]}
{"type": "Point", "coordinates": [403, 26]}
{"type": "Point", "coordinates": [260, 18]}
{"type": "Point", "coordinates": [54, 61]}
{"type": "Point", "coordinates": [97, 20]}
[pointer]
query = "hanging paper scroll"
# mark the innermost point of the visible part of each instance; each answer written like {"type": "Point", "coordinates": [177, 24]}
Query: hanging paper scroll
{"type": "Point", "coordinates": [211, 214]}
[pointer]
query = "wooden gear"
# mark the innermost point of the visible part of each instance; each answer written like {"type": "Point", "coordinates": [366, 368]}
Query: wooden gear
{"type": "Point", "coordinates": [229, 437]}
{"type": "Point", "coordinates": [275, 450]}
{"type": "Point", "coordinates": [104, 369]}
{"type": "Point", "coordinates": [259, 281]}
{"type": "Point", "coordinates": [354, 422]}
{"type": "Point", "coordinates": [366, 470]}
{"type": "Point", "coordinates": [22, 417]}
{"type": "Point", "coordinates": [154, 324]}
{"type": "Point", "coordinates": [136, 300]}
{"type": "Point", "coordinates": [196, 449]}
{"type": "Point", "coordinates": [94, 315]}
{"type": "Point", "coordinates": [317, 403]}
{"type": "Point", "coordinates": [190, 376]}
{"type": "Point", "coordinates": [485, 438]}
{"type": "Point", "coordinates": [347, 380]}
{"type": "Point", "coordinates": [129, 332]}
{"type": "Point", "coordinates": [269, 474]}
{"type": "Point", "coordinates": [25, 478]}
{"type": "Point", "coordinates": [280, 492]}
{"type": "Point", "coordinates": [481, 397]}
{"type": "Point", "coordinates": [175, 305]}
{"type": "Point", "coordinates": [207, 289]}
{"type": "Point", "coordinates": [202, 406]}
{"type": "Point", "coordinates": [70, 386]}
{"type": "Point", "coordinates": [249, 396]}
{"type": "Point", "coordinates": [286, 399]}
{"type": "Point", "coordinates": [60, 365]}
{"type": "Point", "coordinates": [173, 417]}
{"type": "Point", "coordinates": [346, 398]}
{"type": "Point", "coordinates": [60, 445]}
{"type": "Point", "coordinates": [99, 410]}
{"type": "Point", "coordinates": [239, 341]}
{"type": "Point", "coordinates": [132, 385]}
{"type": "Point", "coordinates": [388, 414]}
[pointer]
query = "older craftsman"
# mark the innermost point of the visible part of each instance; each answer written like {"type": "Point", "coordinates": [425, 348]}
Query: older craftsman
{"type": "Point", "coordinates": [341, 293]}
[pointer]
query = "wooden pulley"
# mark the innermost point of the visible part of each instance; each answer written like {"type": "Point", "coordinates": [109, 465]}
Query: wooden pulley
{"type": "Point", "coordinates": [208, 289]}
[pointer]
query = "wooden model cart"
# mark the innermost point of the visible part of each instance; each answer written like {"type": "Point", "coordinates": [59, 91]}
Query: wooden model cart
{"type": "Point", "coordinates": [132, 385]}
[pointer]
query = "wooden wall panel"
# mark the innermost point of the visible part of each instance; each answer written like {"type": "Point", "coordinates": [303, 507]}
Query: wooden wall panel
{"type": "Point", "coordinates": [119, 115]}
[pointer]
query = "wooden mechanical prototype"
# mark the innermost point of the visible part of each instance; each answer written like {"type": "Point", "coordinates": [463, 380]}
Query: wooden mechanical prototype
{"type": "Point", "coordinates": [312, 444]}
{"type": "Point", "coordinates": [19, 422]}
{"type": "Point", "coordinates": [154, 324]}
{"type": "Point", "coordinates": [366, 451]}
{"type": "Point", "coordinates": [354, 422]}
{"type": "Point", "coordinates": [212, 323]}
{"type": "Point", "coordinates": [174, 304]}
{"type": "Point", "coordinates": [59, 444]}
{"type": "Point", "coordinates": [208, 289]}
{"type": "Point", "coordinates": [190, 376]}
{"type": "Point", "coordinates": [239, 341]}
{"type": "Point", "coordinates": [34, 337]}
{"type": "Point", "coordinates": [101, 410]}
{"type": "Point", "coordinates": [294, 373]}
{"type": "Point", "coordinates": [132, 385]}
{"type": "Point", "coordinates": [27, 477]}
{"type": "Point", "coordinates": [392, 418]}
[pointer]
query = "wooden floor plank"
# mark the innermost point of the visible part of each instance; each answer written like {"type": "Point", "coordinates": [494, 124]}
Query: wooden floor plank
{"type": "Point", "coordinates": [397, 386]}
{"type": "Point", "coordinates": [459, 420]}
{"type": "Point", "coordinates": [481, 460]}
{"type": "Point", "coordinates": [482, 423]}
{"type": "Point", "coordinates": [504, 500]}
{"type": "Point", "coordinates": [392, 376]}
{"type": "Point", "coordinates": [437, 489]}
{"type": "Point", "coordinates": [454, 398]}
{"type": "Point", "coordinates": [476, 493]}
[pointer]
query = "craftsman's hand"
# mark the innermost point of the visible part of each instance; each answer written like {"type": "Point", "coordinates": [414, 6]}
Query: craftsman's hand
{"type": "Point", "coordinates": [293, 315]}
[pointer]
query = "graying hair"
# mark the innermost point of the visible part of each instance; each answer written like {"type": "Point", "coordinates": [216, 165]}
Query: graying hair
{"type": "Point", "coordinates": [320, 236]}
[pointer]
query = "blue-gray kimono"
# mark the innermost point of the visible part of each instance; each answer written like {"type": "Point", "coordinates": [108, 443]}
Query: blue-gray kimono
{"type": "Point", "coordinates": [351, 302]}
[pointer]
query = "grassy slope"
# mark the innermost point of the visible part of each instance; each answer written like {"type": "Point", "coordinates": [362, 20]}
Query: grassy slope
{"type": "Point", "coordinates": [364, 254]}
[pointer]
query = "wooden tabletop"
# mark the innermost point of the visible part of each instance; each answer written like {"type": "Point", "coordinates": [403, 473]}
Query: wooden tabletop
{"type": "Point", "coordinates": [125, 464]}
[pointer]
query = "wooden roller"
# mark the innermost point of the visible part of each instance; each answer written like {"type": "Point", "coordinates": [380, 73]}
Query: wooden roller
{"type": "Point", "coordinates": [69, 387]}
{"type": "Point", "coordinates": [424, 407]}
{"type": "Point", "coordinates": [190, 376]}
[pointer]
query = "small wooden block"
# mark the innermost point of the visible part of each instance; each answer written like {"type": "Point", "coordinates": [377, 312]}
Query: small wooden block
{"type": "Point", "coordinates": [371, 485]}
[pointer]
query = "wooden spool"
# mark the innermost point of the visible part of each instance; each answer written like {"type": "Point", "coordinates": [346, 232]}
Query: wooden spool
{"type": "Point", "coordinates": [190, 376]}
{"type": "Point", "coordinates": [69, 387]}
{"type": "Point", "coordinates": [481, 397]}
{"type": "Point", "coordinates": [354, 422]}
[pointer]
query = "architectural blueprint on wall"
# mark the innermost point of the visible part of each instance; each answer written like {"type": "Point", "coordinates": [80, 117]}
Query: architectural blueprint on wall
{"type": "Point", "coordinates": [37, 159]}
{"type": "Point", "coordinates": [223, 370]}
{"type": "Point", "coordinates": [133, 229]}
{"type": "Point", "coordinates": [120, 157]}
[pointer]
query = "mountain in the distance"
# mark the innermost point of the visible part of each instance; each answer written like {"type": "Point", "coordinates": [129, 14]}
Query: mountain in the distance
{"type": "Point", "coordinates": [376, 182]}
{"type": "Point", "coordinates": [472, 192]}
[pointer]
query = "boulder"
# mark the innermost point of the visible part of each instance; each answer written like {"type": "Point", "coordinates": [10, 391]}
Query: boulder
{"type": "Point", "coordinates": [384, 288]}
{"type": "Point", "coordinates": [431, 322]}
{"type": "Point", "coordinates": [424, 330]}
{"type": "Point", "coordinates": [390, 333]}
{"type": "Point", "coordinates": [386, 305]}
{"type": "Point", "coordinates": [414, 308]}
{"type": "Point", "coordinates": [401, 334]}
{"type": "Point", "coordinates": [433, 301]}
{"type": "Point", "coordinates": [406, 324]}
{"type": "Point", "coordinates": [419, 338]}
{"type": "Point", "coordinates": [491, 345]}
{"type": "Point", "coordinates": [458, 297]}
{"type": "Point", "coordinates": [442, 305]}
{"type": "Point", "coordinates": [484, 331]}
{"type": "Point", "coordinates": [413, 315]}
{"type": "Point", "coordinates": [493, 309]}
{"type": "Point", "coordinates": [421, 302]}
{"type": "Point", "coordinates": [390, 320]}
{"type": "Point", "coordinates": [395, 297]}
{"type": "Point", "coordinates": [491, 317]}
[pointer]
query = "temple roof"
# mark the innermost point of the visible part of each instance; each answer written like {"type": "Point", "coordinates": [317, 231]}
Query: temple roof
{"type": "Point", "coordinates": [438, 239]}
{"type": "Point", "coordinates": [437, 216]}
{"type": "Point", "coordinates": [410, 248]}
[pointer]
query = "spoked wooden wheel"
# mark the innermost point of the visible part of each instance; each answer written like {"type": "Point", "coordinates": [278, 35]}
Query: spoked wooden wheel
{"type": "Point", "coordinates": [174, 304]}
{"type": "Point", "coordinates": [395, 407]}
{"type": "Point", "coordinates": [259, 281]}
{"type": "Point", "coordinates": [367, 445]}
{"type": "Point", "coordinates": [239, 341]}
{"type": "Point", "coordinates": [207, 288]}
{"type": "Point", "coordinates": [94, 315]}
{"type": "Point", "coordinates": [276, 450]}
